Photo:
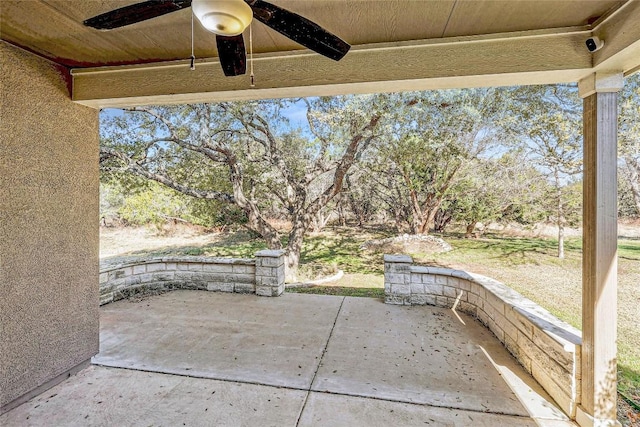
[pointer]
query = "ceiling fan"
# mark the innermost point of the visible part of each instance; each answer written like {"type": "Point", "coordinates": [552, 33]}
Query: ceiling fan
{"type": "Point", "coordinates": [228, 19]}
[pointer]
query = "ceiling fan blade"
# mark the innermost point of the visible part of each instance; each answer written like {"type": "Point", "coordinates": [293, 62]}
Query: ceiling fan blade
{"type": "Point", "coordinates": [135, 13]}
{"type": "Point", "coordinates": [299, 29]}
{"type": "Point", "coordinates": [232, 55]}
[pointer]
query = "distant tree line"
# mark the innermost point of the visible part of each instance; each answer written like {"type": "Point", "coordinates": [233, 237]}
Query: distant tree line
{"type": "Point", "coordinates": [419, 161]}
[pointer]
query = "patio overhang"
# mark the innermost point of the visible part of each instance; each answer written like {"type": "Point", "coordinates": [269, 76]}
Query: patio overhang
{"type": "Point", "coordinates": [397, 46]}
{"type": "Point", "coordinates": [542, 56]}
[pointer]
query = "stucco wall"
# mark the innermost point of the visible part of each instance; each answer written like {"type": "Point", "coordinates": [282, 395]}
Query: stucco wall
{"type": "Point", "coordinates": [48, 226]}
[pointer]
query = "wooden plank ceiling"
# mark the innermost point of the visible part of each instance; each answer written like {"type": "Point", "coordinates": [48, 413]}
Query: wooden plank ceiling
{"type": "Point", "coordinates": [53, 28]}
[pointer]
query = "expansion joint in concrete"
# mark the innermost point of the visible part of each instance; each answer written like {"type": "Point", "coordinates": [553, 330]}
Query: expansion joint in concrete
{"type": "Point", "coordinates": [324, 351]}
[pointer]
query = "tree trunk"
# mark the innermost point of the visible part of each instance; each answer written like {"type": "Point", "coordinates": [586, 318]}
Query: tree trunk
{"type": "Point", "coordinates": [294, 248]}
{"type": "Point", "coordinates": [397, 218]}
{"type": "Point", "coordinates": [469, 231]}
{"type": "Point", "coordinates": [428, 215]}
{"type": "Point", "coordinates": [560, 239]}
{"type": "Point", "coordinates": [634, 180]}
{"type": "Point", "coordinates": [560, 217]}
{"type": "Point", "coordinates": [292, 262]}
{"type": "Point", "coordinates": [342, 215]}
{"type": "Point", "coordinates": [417, 222]}
{"type": "Point", "coordinates": [441, 220]}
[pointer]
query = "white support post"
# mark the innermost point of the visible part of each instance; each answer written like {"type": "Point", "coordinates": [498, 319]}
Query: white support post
{"type": "Point", "coordinates": [599, 247]}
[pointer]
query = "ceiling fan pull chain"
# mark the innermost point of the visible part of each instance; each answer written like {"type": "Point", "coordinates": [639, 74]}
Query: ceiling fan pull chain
{"type": "Point", "coordinates": [193, 57]}
{"type": "Point", "coordinates": [251, 56]}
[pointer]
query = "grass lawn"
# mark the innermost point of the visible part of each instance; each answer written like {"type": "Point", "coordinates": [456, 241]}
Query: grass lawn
{"type": "Point", "coordinates": [528, 265]}
{"type": "Point", "coordinates": [531, 267]}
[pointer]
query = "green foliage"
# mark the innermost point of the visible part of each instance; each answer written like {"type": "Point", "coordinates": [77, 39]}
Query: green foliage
{"type": "Point", "coordinates": [626, 203]}
{"type": "Point", "coordinates": [342, 291]}
{"type": "Point", "coordinates": [572, 203]}
{"type": "Point", "coordinates": [242, 154]}
{"type": "Point", "coordinates": [111, 199]}
{"type": "Point", "coordinates": [147, 202]}
{"type": "Point", "coordinates": [629, 146]}
{"type": "Point", "coordinates": [475, 155]}
{"type": "Point", "coordinates": [342, 250]}
{"type": "Point", "coordinates": [153, 205]}
{"type": "Point", "coordinates": [428, 138]}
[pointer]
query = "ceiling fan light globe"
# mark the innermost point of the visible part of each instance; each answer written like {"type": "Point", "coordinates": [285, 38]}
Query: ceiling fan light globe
{"type": "Point", "coordinates": [223, 17]}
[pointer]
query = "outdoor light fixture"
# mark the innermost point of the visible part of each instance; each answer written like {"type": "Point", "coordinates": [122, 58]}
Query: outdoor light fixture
{"type": "Point", "coordinates": [223, 17]}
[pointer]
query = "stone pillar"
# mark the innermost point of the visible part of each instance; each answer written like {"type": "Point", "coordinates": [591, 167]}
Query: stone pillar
{"type": "Point", "coordinates": [270, 273]}
{"type": "Point", "coordinates": [599, 246]}
{"type": "Point", "coordinates": [397, 279]}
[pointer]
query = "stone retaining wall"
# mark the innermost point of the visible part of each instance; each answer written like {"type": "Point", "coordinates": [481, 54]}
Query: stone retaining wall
{"type": "Point", "coordinates": [263, 275]}
{"type": "Point", "coordinates": [546, 347]}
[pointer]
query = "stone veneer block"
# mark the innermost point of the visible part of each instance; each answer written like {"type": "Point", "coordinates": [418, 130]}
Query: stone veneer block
{"type": "Point", "coordinates": [562, 396]}
{"type": "Point", "coordinates": [244, 288]}
{"type": "Point", "coordinates": [434, 289]}
{"type": "Point", "coordinates": [454, 282]}
{"type": "Point", "coordinates": [467, 308]}
{"type": "Point", "coordinates": [279, 290]}
{"type": "Point", "coordinates": [398, 278]}
{"type": "Point", "coordinates": [508, 327]}
{"type": "Point", "coordinates": [521, 322]}
{"type": "Point", "coordinates": [242, 269]}
{"type": "Point", "coordinates": [450, 292]}
{"type": "Point", "coordinates": [156, 267]}
{"type": "Point", "coordinates": [440, 280]}
{"type": "Point", "coordinates": [264, 291]}
{"type": "Point", "coordinates": [163, 276]}
{"type": "Point", "coordinates": [417, 288]}
{"type": "Point", "coordinates": [217, 268]}
{"type": "Point", "coordinates": [496, 303]}
{"type": "Point", "coordinates": [241, 278]}
{"type": "Point", "coordinates": [139, 269]}
{"type": "Point", "coordinates": [394, 299]}
{"type": "Point", "coordinates": [264, 271]}
{"type": "Point", "coordinates": [553, 347]}
{"type": "Point", "coordinates": [184, 272]}
{"type": "Point", "coordinates": [428, 279]}
{"type": "Point", "coordinates": [220, 287]}
{"type": "Point", "coordinates": [270, 262]}
{"type": "Point", "coordinates": [401, 290]}
{"type": "Point", "coordinates": [397, 259]}
{"type": "Point", "coordinates": [267, 280]}
{"type": "Point", "coordinates": [444, 302]}
{"type": "Point", "coordinates": [418, 299]}
{"type": "Point", "coordinates": [269, 272]}
{"type": "Point", "coordinates": [437, 271]}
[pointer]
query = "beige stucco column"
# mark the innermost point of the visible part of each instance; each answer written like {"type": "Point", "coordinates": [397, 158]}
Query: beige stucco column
{"type": "Point", "coordinates": [599, 259]}
{"type": "Point", "coordinates": [49, 205]}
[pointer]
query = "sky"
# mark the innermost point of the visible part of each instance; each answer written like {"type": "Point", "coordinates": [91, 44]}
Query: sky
{"type": "Point", "coordinates": [296, 113]}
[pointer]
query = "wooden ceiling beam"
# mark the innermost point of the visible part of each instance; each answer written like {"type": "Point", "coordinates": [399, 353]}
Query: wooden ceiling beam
{"type": "Point", "coordinates": [621, 34]}
{"type": "Point", "coordinates": [498, 60]}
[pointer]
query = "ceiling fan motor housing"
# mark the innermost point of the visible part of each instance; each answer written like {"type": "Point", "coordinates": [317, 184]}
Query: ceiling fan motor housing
{"type": "Point", "coordinates": [223, 17]}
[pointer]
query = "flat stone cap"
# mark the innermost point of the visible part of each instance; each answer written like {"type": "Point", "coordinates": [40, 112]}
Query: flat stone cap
{"type": "Point", "coordinates": [273, 253]}
{"type": "Point", "coordinates": [398, 258]}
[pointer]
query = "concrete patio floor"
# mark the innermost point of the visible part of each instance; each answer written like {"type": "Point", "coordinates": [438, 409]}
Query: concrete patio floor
{"type": "Point", "coordinates": [197, 358]}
